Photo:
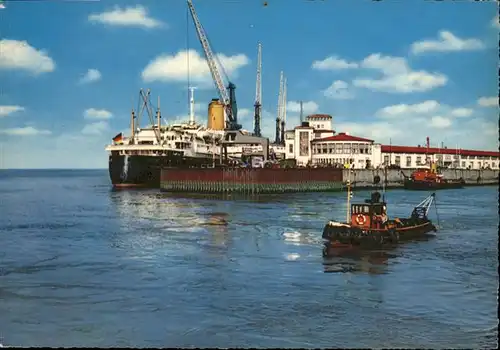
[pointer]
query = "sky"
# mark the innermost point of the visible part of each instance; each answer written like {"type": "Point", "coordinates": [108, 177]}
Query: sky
{"type": "Point", "coordinates": [392, 71]}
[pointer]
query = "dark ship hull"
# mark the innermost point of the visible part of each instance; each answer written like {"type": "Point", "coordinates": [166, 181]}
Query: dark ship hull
{"type": "Point", "coordinates": [143, 171]}
{"type": "Point", "coordinates": [410, 184]}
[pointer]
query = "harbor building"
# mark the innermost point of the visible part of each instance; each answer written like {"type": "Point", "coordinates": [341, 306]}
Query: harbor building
{"type": "Point", "coordinates": [315, 142]}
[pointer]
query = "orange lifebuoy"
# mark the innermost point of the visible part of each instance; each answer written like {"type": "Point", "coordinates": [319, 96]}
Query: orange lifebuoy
{"type": "Point", "coordinates": [360, 219]}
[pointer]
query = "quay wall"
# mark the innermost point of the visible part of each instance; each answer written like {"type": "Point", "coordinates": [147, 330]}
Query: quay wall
{"type": "Point", "coordinates": [394, 177]}
{"type": "Point", "coordinates": [251, 181]}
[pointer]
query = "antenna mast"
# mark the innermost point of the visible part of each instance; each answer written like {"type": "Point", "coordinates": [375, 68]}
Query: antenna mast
{"type": "Point", "coordinates": [278, 117]}
{"type": "Point", "coordinates": [258, 93]}
{"type": "Point", "coordinates": [283, 106]}
{"type": "Point", "coordinates": [301, 113]}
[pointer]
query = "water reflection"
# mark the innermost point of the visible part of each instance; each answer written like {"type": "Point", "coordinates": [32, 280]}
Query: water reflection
{"type": "Point", "coordinates": [217, 225]}
{"type": "Point", "coordinates": [153, 222]}
{"type": "Point", "coordinates": [348, 260]}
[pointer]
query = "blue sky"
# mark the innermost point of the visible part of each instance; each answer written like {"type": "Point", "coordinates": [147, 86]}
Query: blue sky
{"type": "Point", "coordinates": [391, 71]}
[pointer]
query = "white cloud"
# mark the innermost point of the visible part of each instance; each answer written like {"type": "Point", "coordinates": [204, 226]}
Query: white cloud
{"type": "Point", "coordinates": [92, 75]}
{"type": "Point", "coordinates": [447, 42]}
{"type": "Point", "coordinates": [462, 112]}
{"type": "Point", "coordinates": [404, 109]}
{"type": "Point", "coordinates": [495, 22]}
{"type": "Point", "coordinates": [130, 16]}
{"type": "Point", "coordinates": [308, 107]}
{"type": "Point", "coordinates": [389, 65]}
{"type": "Point", "coordinates": [97, 114]}
{"type": "Point", "coordinates": [440, 122]}
{"type": "Point", "coordinates": [174, 68]}
{"type": "Point", "coordinates": [244, 113]}
{"type": "Point", "coordinates": [398, 77]}
{"type": "Point", "coordinates": [333, 63]}
{"type": "Point", "coordinates": [425, 110]}
{"type": "Point", "coordinates": [7, 110]}
{"type": "Point", "coordinates": [339, 90]}
{"type": "Point", "coordinates": [25, 131]}
{"type": "Point", "coordinates": [19, 55]}
{"type": "Point", "coordinates": [488, 101]}
{"type": "Point", "coordinates": [96, 128]}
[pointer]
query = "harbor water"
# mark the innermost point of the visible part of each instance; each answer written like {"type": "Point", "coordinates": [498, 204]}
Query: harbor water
{"type": "Point", "coordinates": [83, 265]}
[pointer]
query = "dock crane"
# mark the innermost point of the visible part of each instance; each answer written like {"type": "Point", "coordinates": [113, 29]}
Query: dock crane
{"type": "Point", "coordinates": [277, 140]}
{"type": "Point", "coordinates": [227, 95]}
{"type": "Point", "coordinates": [283, 113]}
{"type": "Point", "coordinates": [258, 94]}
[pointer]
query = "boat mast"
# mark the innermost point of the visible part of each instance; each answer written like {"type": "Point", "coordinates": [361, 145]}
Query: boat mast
{"type": "Point", "coordinates": [132, 126]}
{"type": "Point", "coordinates": [349, 194]}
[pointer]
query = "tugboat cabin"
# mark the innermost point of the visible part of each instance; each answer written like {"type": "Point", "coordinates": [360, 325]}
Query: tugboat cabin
{"type": "Point", "coordinates": [371, 214]}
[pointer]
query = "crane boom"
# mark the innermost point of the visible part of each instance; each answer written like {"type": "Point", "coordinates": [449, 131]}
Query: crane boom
{"type": "Point", "coordinates": [228, 99]}
{"type": "Point", "coordinates": [258, 93]}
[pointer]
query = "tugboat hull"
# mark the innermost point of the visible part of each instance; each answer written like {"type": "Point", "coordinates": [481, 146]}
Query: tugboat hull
{"type": "Point", "coordinates": [347, 236]}
{"type": "Point", "coordinates": [417, 185]}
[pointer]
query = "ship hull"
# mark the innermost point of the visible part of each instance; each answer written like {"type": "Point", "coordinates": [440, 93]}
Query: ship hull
{"type": "Point", "coordinates": [431, 185]}
{"type": "Point", "coordinates": [143, 171]}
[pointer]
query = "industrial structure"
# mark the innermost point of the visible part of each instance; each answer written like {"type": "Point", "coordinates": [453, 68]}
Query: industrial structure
{"type": "Point", "coordinates": [227, 95]}
{"type": "Point", "coordinates": [258, 94]}
{"type": "Point", "coordinates": [281, 112]}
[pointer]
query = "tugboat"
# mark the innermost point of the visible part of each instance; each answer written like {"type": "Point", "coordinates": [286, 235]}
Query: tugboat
{"type": "Point", "coordinates": [368, 225]}
{"type": "Point", "coordinates": [430, 179]}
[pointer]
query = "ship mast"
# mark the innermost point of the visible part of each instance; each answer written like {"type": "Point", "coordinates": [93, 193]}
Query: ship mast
{"type": "Point", "coordinates": [191, 106]}
{"type": "Point", "coordinates": [158, 115]}
{"type": "Point", "coordinates": [349, 194]}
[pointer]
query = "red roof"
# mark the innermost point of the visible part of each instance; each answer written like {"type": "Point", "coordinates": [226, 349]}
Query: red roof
{"type": "Point", "coordinates": [319, 116]}
{"type": "Point", "coordinates": [343, 137]}
{"type": "Point", "coordinates": [434, 150]}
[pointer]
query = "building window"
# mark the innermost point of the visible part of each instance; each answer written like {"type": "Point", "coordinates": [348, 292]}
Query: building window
{"type": "Point", "coordinates": [386, 159]}
{"type": "Point", "coordinates": [290, 148]}
{"type": "Point", "coordinates": [493, 164]}
{"type": "Point", "coordinates": [338, 148]}
{"type": "Point", "coordinates": [463, 164]}
{"type": "Point", "coordinates": [419, 160]}
{"type": "Point", "coordinates": [408, 161]}
{"type": "Point", "coordinates": [397, 161]}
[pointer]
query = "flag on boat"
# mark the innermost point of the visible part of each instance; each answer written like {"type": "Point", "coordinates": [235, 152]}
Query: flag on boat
{"type": "Point", "coordinates": [118, 138]}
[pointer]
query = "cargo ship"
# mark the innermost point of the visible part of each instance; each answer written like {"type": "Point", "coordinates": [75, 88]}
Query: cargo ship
{"type": "Point", "coordinates": [136, 160]}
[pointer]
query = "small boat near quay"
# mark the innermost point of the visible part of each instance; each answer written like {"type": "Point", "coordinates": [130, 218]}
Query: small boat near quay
{"type": "Point", "coordinates": [429, 179]}
{"type": "Point", "coordinates": [368, 226]}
